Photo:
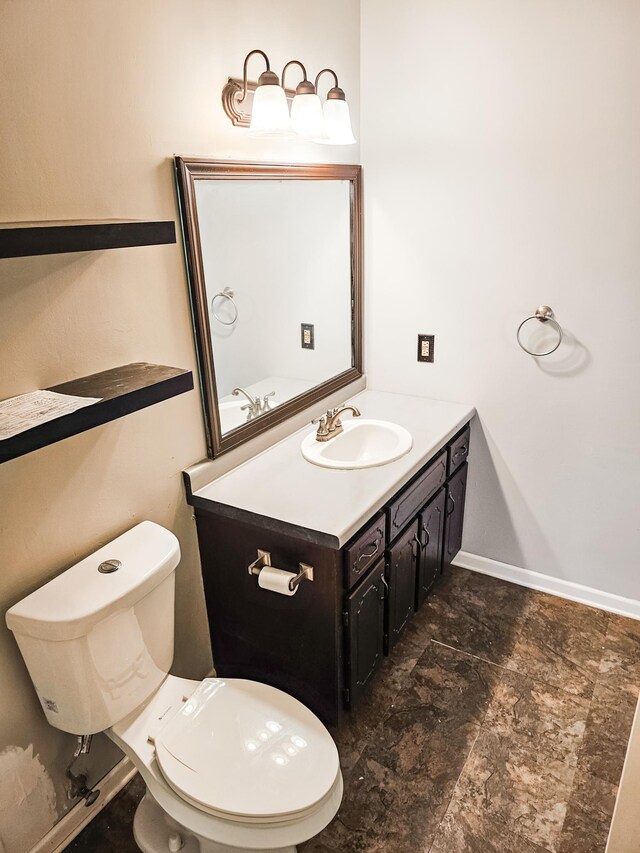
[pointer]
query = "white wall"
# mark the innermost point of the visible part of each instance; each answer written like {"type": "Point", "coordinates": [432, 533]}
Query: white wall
{"type": "Point", "coordinates": [501, 146]}
{"type": "Point", "coordinates": [286, 248]}
{"type": "Point", "coordinates": [95, 99]}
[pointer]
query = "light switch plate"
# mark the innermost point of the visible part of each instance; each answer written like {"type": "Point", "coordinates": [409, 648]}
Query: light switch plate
{"type": "Point", "coordinates": [425, 347]}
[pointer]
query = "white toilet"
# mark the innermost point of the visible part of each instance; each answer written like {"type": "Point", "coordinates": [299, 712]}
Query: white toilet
{"type": "Point", "coordinates": [229, 765]}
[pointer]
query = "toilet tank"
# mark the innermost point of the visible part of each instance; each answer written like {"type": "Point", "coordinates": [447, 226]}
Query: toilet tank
{"type": "Point", "coordinates": [98, 643]}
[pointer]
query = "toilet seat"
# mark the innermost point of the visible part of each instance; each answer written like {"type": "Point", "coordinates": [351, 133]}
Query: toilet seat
{"type": "Point", "coordinates": [245, 751]}
{"type": "Point", "coordinates": [136, 736]}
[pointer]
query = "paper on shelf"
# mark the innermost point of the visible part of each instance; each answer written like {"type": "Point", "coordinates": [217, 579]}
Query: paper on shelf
{"type": "Point", "coordinates": [18, 414]}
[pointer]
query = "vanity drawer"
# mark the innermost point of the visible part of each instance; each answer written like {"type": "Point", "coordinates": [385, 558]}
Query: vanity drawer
{"type": "Point", "coordinates": [364, 551]}
{"type": "Point", "coordinates": [458, 450]}
{"type": "Point", "coordinates": [415, 496]}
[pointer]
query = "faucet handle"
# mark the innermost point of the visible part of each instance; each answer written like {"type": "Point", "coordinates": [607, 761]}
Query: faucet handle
{"type": "Point", "coordinates": [322, 425]}
{"type": "Point", "coordinates": [333, 420]}
{"type": "Point", "coordinates": [264, 403]}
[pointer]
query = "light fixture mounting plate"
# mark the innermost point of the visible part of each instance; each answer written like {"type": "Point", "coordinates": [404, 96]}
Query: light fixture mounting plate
{"type": "Point", "coordinates": [240, 113]}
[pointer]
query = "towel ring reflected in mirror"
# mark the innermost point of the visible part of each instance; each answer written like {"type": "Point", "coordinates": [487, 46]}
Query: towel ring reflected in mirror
{"type": "Point", "coordinates": [228, 293]}
{"type": "Point", "coordinates": [543, 314]}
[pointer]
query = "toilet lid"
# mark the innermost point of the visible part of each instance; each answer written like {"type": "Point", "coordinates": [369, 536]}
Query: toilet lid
{"type": "Point", "coordinates": [247, 751]}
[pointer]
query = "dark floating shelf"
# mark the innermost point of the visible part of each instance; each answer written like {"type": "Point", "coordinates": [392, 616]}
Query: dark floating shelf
{"type": "Point", "coordinates": [23, 239]}
{"type": "Point", "coordinates": [123, 390]}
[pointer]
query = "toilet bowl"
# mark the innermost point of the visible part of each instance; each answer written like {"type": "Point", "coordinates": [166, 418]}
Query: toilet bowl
{"type": "Point", "coordinates": [229, 764]}
{"type": "Point", "coordinates": [237, 764]}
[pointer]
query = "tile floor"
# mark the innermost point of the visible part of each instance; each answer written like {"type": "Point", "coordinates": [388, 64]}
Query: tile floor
{"type": "Point", "coordinates": [499, 724]}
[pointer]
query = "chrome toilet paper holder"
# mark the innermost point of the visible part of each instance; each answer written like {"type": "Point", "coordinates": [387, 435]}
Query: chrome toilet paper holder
{"type": "Point", "coordinates": [305, 572]}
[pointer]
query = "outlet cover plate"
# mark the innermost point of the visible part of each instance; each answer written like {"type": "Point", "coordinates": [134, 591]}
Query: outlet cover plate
{"type": "Point", "coordinates": [307, 336]}
{"type": "Point", "coordinates": [426, 345]}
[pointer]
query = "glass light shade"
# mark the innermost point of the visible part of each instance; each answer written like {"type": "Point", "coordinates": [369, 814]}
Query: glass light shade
{"type": "Point", "coordinates": [306, 116]}
{"type": "Point", "coordinates": [270, 112]}
{"type": "Point", "coordinates": [337, 123]}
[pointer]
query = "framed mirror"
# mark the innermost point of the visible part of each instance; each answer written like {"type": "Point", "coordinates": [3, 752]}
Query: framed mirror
{"type": "Point", "coordinates": [274, 259]}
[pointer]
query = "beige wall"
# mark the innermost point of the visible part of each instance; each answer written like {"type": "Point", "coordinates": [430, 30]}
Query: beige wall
{"type": "Point", "coordinates": [95, 99]}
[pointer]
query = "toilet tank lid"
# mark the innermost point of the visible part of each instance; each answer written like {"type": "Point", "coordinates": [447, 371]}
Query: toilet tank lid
{"type": "Point", "coordinates": [70, 605]}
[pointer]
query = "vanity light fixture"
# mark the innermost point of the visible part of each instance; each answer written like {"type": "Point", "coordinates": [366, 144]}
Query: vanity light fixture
{"type": "Point", "coordinates": [306, 109]}
{"type": "Point", "coordinates": [268, 114]}
{"type": "Point", "coordinates": [337, 119]}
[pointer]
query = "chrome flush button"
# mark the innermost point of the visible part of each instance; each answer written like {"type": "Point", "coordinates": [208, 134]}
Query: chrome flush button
{"type": "Point", "coordinates": [109, 566]}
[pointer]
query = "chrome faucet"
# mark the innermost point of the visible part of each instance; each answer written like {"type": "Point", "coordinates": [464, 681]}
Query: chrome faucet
{"type": "Point", "coordinates": [256, 405]}
{"type": "Point", "coordinates": [330, 425]}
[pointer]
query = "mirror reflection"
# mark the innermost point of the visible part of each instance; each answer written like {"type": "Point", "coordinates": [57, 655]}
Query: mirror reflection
{"type": "Point", "coordinates": [274, 260]}
{"type": "Point", "coordinates": [277, 269]}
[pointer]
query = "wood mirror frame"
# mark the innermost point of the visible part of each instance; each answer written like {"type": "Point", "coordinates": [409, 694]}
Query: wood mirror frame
{"type": "Point", "coordinates": [188, 171]}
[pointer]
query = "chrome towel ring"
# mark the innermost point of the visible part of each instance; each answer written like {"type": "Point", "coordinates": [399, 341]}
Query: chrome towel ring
{"type": "Point", "coordinates": [228, 294]}
{"type": "Point", "coordinates": [543, 314]}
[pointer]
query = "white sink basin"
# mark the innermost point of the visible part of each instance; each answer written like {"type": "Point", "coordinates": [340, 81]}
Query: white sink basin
{"type": "Point", "coordinates": [363, 444]}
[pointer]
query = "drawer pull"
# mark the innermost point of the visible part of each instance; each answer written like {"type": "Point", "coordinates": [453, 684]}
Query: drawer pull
{"type": "Point", "coordinates": [459, 450]}
{"type": "Point", "coordinates": [366, 548]}
{"type": "Point", "coordinates": [365, 555]}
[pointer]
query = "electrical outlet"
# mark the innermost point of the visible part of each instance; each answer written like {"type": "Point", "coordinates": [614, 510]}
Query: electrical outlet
{"type": "Point", "coordinates": [307, 336]}
{"type": "Point", "coordinates": [425, 347]}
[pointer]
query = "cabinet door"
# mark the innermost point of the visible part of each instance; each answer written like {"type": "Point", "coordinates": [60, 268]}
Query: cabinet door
{"type": "Point", "coordinates": [401, 577]}
{"type": "Point", "coordinates": [431, 535]}
{"type": "Point", "coordinates": [364, 616]}
{"type": "Point", "coordinates": [456, 490]}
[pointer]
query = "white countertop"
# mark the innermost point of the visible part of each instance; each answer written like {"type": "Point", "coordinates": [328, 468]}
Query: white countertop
{"type": "Point", "coordinates": [280, 484]}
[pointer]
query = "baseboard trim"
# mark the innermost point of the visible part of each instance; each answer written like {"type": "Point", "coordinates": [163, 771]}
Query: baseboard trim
{"type": "Point", "coordinates": [546, 583]}
{"type": "Point", "coordinates": [75, 820]}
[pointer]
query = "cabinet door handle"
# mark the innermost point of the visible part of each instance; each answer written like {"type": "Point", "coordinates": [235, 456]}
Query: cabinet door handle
{"type": "Point", "coordinates": [385, 591]}
{"type": "Point", "coordinates": [366, 554]}
{"type": "Point", "coordinates": [426, 533]}
{"type": "Point", "coordinates": [415, 541]}
{"type": "Point", "coordinates": [453, 504]}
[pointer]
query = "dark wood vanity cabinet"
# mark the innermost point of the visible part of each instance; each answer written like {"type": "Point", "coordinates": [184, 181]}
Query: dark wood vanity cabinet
{"type": "Point", "coordinates": [401, 568]}
{"type": "Point", "coordinates": [431, 534]}
{"type": "Point", "coordinates": [364, 623]}
{"type": "Point", "coordinates": [364, 550]}
{"type": "Point", "coordinates": [324, 644]}
{"type": "Point", "coordinates": [416, 493]}
{"type": "Point", "coordinates": [456, 492]}
{"type": "Point", "coordinates": [458, 450]}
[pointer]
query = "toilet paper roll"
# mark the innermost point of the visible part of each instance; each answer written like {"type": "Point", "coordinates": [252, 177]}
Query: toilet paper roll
{"type": "Point", "coordinates": [277, 580]}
